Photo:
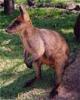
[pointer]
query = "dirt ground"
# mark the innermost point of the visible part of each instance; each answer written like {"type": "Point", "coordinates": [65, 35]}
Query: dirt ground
{"type": "Point", "coordinates": [69, 90]}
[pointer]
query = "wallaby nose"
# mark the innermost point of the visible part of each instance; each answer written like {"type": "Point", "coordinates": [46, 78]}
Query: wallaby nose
{"type": "Point", "coordinates": [6, 30]}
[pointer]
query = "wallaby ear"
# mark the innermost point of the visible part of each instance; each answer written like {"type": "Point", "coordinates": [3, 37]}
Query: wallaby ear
{"type": "Point", "coordinates": [22, 10]}
{"type": "Point", "coordinates": [24, 13]}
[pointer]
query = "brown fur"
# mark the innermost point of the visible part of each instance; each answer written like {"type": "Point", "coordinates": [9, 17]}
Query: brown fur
{"type": "Point", "coordinates": [45, 46]}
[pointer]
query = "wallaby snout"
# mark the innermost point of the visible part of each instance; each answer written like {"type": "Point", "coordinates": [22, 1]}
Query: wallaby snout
{"type": "Point", "coordinates": [8, 30]}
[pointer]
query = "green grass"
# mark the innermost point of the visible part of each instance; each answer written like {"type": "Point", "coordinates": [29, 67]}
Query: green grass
{"type": "Point", "coordinates": [21, 1]}
{"type": "Point", "coordinates": [13, 72]}
{"type": "Point", "coordinates": [52, 1]}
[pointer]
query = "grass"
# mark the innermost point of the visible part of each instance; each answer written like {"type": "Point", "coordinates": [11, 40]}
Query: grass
{"type": "Point", "coordinates": [13, 72]}
{"type": "Point", "coordinates": [47, 1]}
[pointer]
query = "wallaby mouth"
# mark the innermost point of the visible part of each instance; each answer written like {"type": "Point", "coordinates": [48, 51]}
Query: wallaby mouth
{"type": "Point", "coordinates": [8, 30]}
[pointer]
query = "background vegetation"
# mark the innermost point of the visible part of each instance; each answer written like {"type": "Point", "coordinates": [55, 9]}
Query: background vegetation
{"type": "Point", "coordinates": [52, 1]}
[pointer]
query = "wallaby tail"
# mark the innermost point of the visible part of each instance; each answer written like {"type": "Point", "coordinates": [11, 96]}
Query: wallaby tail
{"type": "Point", "coordinates": [72, 58]}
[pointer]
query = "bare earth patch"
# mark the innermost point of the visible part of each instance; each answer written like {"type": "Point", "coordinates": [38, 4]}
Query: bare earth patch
{"type": "Point", "coordinates": [69, 90]}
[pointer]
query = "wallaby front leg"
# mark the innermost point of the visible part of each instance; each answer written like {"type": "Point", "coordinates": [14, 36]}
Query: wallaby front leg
{"type": "Point", "coordinates": [37, 68]}
{"type": "Point", "coordinates": [58, 79]}
{"type": "Point", "coordinates": [27, 59]}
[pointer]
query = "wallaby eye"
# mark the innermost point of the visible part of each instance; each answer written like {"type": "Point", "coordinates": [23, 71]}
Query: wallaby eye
{"type": "Point", "coordinates": [17, 22]}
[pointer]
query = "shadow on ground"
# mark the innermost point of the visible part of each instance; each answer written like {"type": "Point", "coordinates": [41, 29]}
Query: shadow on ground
{"type": "Point", "coordinates": [16, 87]}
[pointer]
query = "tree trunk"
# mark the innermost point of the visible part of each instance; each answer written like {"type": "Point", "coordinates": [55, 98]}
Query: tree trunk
{"type": "Point", "coordinates": [8, 6]}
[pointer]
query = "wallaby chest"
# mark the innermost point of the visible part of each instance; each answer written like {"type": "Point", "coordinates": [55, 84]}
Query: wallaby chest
{"type": "Point", "coordinates": [36, 44]}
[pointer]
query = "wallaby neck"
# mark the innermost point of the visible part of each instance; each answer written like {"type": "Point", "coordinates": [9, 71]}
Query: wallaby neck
{"type": "Point", "coordinates": [29, 30]}
{"type": "Point", "coordinates": [25, 35]}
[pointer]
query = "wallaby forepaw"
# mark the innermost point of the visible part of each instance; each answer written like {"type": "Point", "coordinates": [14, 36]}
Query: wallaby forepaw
{"type": "Point", "coordinates": [28, 63]}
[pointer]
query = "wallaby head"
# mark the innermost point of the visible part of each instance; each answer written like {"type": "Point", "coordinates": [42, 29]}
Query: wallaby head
{"type": "Point", "coordinates": [20, 23]}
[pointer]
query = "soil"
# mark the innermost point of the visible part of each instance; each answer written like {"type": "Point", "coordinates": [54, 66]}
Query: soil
{"type": "Point", "coordinates": [70, 88]}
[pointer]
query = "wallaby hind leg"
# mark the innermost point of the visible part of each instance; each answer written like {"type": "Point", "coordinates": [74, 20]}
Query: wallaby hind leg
{"type": "Point", "coordinates": [37, 68]}
{"type": "Point", "coordinates": [59, 70]}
